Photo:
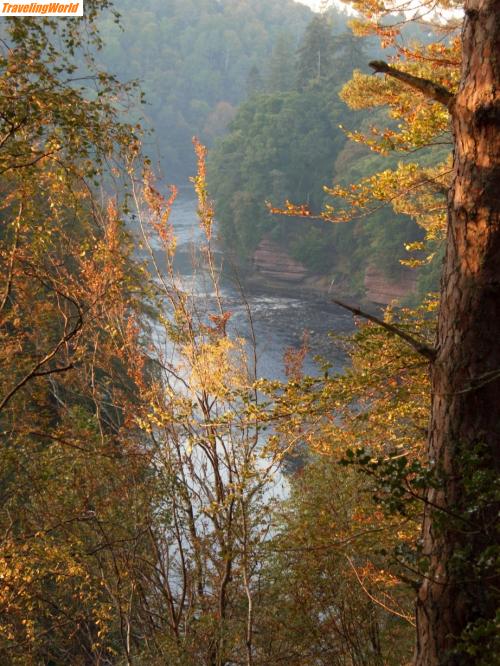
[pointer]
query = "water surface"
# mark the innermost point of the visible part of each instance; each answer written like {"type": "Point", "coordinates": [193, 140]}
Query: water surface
{"type": "Point", "coordinates": [279, 321]}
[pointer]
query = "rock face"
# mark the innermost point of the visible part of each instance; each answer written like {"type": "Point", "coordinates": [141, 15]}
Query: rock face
{"type": "Point", "coordinates": [273, 262]}
{"type": "Point", "coordinates": [382, 290]}
{"type": "Point", "coordinates": [272, 265]}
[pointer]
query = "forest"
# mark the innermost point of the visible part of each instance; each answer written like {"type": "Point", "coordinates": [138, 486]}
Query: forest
{"type": "Point", "coordinates": [194, 60]}
{"type": "Point", "coordinates": [290, 141]}
{"type": "Point", "coordinates": [201, 469]}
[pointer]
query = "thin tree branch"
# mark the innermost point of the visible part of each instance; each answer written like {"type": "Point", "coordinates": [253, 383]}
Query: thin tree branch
{"type": "Point", "coordinates": [332, 545]}
{"type": "Point", "coordinates": [427, 87]}
{"type": "Point", "coordinates": [35, 371]}
{"type": "Point", "coordinates": [377, 601]}
{"type": "Point", "coordinates": [32, 162]}
{"type": "Point", "coordinates": [52, 371]}
{"type": "Point", "coordinates": [420, 347]}
{"type": "Point", "coordinates": [8, 286]}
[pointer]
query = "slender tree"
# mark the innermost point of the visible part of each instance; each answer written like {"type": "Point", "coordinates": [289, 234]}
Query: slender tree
{"type": "Point", "coordinates": [254, 81]}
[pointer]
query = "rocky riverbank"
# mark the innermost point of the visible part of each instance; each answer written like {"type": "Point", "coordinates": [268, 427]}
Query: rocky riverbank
{"type": "Point", "coordinates": [273, 269]}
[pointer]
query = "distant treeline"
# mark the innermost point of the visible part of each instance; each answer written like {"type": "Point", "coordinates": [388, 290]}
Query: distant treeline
{"type": "Point", "coordinates": [195, 60]}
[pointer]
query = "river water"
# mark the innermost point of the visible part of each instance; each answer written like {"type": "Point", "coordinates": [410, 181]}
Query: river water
{"type": "Point", "coordinates": [279, 321]}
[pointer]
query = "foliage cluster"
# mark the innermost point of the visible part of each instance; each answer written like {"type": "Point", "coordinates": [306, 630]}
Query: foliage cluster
{"type": "Point", "coordinates": [70, 478]}
{"type": "Point", "coordinates": [137, 522]}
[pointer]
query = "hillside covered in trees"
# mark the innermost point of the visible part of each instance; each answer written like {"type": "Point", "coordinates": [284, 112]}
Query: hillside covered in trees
{"type": "Point", "coordinates": [149, 511]}
{"type": "Point", "coordinates": [196, 61]}
{"type": "Point", "coordinates": [290, 141]}
{"type": "Point", "coordinates": [273, 73]}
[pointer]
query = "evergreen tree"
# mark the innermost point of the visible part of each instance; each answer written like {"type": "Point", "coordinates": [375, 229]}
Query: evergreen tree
{"type": "Point", "coordinates": [282, 66]}
{"type": "Point", "coordinates": [254, 81]}
{"type": "Point", "coordinates": [316, 53]}
{"type": "Point", "coordinates": [349, 54]}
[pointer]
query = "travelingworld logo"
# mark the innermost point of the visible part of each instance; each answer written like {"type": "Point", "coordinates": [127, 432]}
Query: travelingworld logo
{"type": "Point", "coordinates": [62, 8]}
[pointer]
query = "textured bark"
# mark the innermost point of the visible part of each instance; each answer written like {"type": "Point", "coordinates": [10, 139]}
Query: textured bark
{"type": "Point", "coordinates": [466, 372]}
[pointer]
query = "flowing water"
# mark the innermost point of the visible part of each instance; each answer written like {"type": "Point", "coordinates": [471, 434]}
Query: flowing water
{"type": "Point", "coordinates": [276, 322]}
{"type": "Point", "coordinates": [279, 321]}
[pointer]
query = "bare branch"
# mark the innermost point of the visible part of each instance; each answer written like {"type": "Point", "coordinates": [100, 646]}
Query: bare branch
{"type": "Point", "coordinates": [420, 347]}
{"type": "Point", "coordinates": [35, 371]}
{"type": "Point", "coordinates": [427, 87]}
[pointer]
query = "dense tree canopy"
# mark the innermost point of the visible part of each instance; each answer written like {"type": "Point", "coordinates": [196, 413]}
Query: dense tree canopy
{"type": "Point", "coordinates": [290, 147]}
{"type": "Point", "coordinates": [191, 56]}
{"type": "Point", "coordinates": [138, 523]}
{"type": "Point", "coordinates": [259, 161]}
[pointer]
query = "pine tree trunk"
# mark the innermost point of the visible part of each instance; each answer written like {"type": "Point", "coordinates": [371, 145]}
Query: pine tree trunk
{"type": "Point", "coordinates": [458, 593]}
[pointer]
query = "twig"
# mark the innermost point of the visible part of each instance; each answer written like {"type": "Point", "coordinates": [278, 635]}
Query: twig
{"type": "Point", "coordinates": [377, 601]}
{"type": "Point", "coordinates": [35, 371]}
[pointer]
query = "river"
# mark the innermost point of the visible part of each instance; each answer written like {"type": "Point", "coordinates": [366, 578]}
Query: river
{"type": "Point", "coordinates": [279, 321]}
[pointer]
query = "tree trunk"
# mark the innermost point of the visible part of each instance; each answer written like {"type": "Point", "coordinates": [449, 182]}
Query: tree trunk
{"type": "Point", "coordinates": [458, 595]}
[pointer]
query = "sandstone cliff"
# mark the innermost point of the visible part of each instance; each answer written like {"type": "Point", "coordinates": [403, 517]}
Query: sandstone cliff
{"type": "Point", "coordinates": [382, 290]}
{"type": "Point", "coordinates": [274, 262]}
{"type": "Point", "coordinates": [274, 268]}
